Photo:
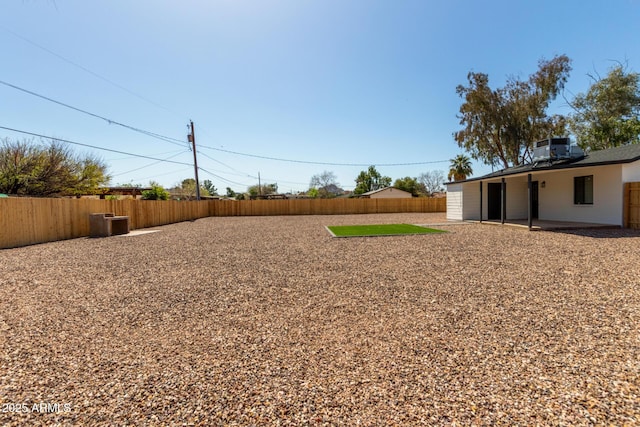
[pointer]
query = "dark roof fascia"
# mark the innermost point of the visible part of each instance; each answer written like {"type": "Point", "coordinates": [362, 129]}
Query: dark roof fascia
{"type": "Point", "coordinates": [578, 163]}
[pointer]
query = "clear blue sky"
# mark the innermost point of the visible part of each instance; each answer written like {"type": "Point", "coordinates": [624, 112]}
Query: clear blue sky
{"type": "Point", "coordinates": [331, 81]}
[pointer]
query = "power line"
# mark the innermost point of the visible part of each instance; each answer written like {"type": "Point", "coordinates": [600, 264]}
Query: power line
{"type": "Point", "coordinates": [122, 152]}
{"type": "Point", "coordinates": [240, 174]}
{"type": "Point", "coordinates": [166, 138]}
{"type": "Point", "coordinates": [85, 69]}
{"type": "Point", "coordinates": [110, 121]}
{"type": "Point", "coordinates": [162, 174]}
{"type": "Point", "coordinates": [181, 143]}
{"type": "Point", "coordinates": [223, 164]}
{"type": "Point", "coordinates": [142, 156]}
{"type": "Point", "coordinates": [248, 175]}
{"type": "Point", "coordinates": [321, 163]}
{"type": "Point", "coordinates": [151, 164]}
{"type": "Point", "coordinates": [115, 159]}
{"type": "Point", "coordinates": [223, 179]}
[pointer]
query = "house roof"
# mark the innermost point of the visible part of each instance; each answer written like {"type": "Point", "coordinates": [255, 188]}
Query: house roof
{"type": "Point", "coordinates": [368, 193]}
{"type": "Point", "coordinates": [122, 190]}
{"type": "Point", "coordinates": [611, 156]}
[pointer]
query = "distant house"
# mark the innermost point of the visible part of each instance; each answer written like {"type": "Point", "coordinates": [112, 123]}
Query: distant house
{"type": "Point", "coordinates": [561, 186]}
{"type": "Point", "coordinates": [268, 197]}
{"type": "Point", "coordinates": [122, 192]}
{"type": "Point", "coordinates": [386, 193]}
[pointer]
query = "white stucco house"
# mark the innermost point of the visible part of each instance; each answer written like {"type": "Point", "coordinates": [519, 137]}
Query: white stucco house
{"type": "Point", "coordinates": [582, 188]}
{"type": "Point", "coordinates": [387, 193]}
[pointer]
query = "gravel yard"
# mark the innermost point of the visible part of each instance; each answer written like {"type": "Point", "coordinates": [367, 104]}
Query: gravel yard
{"type": "Point", "coordinates": [271, 321]}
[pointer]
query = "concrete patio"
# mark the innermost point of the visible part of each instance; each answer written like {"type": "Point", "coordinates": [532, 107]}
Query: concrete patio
{"type": "Point", "coordinates": [546, 225]}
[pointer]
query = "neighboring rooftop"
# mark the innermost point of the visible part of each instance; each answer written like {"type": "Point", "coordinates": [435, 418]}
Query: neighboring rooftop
{"type": "Point", "coordinates": [368, 193]}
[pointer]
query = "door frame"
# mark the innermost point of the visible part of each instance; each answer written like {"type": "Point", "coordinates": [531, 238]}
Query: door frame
{"type": "Point", "coordinates": [494, 200]}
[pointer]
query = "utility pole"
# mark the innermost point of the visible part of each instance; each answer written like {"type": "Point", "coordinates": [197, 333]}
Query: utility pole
{"type": "Point", "coordinates": [259, 186]}
{"type": "Point", "coordinates": [192, 140]}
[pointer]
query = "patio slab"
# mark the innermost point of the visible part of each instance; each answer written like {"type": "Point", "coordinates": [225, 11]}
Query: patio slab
{"type": "Point", "coordinates": [542, 225]}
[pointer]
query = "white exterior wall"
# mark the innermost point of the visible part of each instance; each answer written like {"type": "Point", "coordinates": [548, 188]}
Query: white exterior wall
{"type": "Point", "coordinates": [517, 198]}
{"type": "Point", "coordinates": [556, 199]}
{"type": "Point", "coordinates": [485, 198]}
{"type": "Point", "coordinates": [463, 201]}
{"type": "Point", "coordinates": [631, 172]}
{"type": "Point", "coordinates": [454, 202]}
{"type": "Point", "coordinates": [471, 201]}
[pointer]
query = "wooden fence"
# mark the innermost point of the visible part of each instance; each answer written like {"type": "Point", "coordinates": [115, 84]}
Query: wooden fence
{"type": "Point", "coordinates": [325, 206]}
{"type": "Point", "coordinates": [27, 221]}
{"type": "Point", "coordinates": [632, 205]}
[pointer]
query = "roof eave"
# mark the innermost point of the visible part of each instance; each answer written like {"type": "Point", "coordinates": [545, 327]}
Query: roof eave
{"type": "Point", "coordinates": [533, 170]}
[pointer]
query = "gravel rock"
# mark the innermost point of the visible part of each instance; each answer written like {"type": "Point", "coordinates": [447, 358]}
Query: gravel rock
{"type": "Point", "coordinates": [271, 321]}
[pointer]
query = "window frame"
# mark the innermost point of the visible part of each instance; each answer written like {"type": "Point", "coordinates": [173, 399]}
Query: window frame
{"type": "Point", "coordinates": [583, 190]}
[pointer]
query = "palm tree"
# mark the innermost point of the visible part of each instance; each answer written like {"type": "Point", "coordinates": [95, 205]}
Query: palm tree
{"type": "Point", "coordinates": [460, 168]}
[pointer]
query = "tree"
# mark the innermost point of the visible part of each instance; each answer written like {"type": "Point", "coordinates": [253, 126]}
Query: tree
{"type": "Point", "coordinates": [334, 190]}
{"type": "Point", "coordinates": [187, 190]}
{"type": "Point", "coordinates": [48, 169]}
{"type": "Point", "coordinates": [326, 184]}
{"type": "Point", "coordinates": [211, 189]}
{"type": "Point", "coordinates": [432, 181]}
{"type": "Point", "coordinates": [371, 180]}
{"type": "Point", "coordinates": [233, 195]}
{"type": "Point", "coordinates": [500, 126]}
{"type": "Point", "coordinates": [608, 114]}
{"type": "Point", "coordinates": [262, 190]}
{"type": "Point", "coordinates": [157, 192]}
{"type": "Point", "coordinates": [408, 184]}
{"type": "Point", "coordinates": [460, 168]}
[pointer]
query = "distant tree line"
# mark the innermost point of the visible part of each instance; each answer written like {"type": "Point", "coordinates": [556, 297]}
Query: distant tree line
{"type": "Point", "coordinates": [325, 185]}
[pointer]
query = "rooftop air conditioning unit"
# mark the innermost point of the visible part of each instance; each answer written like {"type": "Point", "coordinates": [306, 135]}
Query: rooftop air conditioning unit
{"type": "Point", "coordinates": [575, 152]}
{"type": "Point", "coordinates": [551, 149]}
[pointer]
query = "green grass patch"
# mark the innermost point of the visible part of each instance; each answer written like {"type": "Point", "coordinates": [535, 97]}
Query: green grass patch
{"type": "Point", "coordinates": [379, 230]}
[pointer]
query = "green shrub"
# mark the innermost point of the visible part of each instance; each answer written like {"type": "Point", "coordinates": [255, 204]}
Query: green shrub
{"type": "Point", "coordinates": [157, 192]}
